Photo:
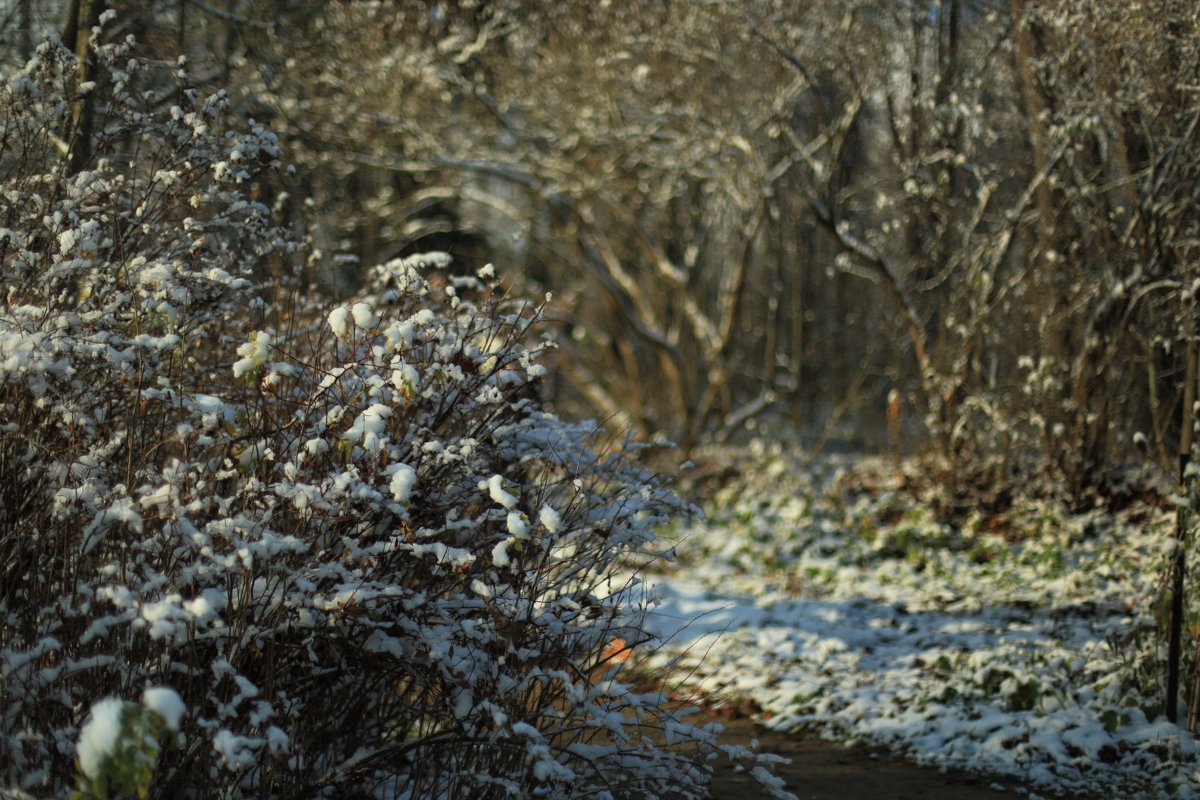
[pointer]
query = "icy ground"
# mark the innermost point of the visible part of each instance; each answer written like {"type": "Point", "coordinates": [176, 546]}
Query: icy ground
{"type": "Point", "coordinates": [1018, 644]}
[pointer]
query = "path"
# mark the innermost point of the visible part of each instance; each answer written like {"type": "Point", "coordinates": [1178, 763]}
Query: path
{"type": "Point", "coordinates": [823, 770]}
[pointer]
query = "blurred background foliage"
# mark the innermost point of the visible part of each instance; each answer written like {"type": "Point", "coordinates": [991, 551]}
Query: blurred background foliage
{"type": "Point", "coordinates": [760, 217]}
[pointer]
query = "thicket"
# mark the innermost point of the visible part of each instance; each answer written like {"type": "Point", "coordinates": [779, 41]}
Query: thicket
{"type": "Point", "coordinates": [771, 216]}
{"type": "Point", "coordinates": [764, 217]}
{"type": "Point", "coordinates": [349, 539]}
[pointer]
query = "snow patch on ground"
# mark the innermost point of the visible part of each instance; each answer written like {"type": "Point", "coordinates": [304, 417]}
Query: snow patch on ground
{"type": "Point", "coordinates": [866, 619]}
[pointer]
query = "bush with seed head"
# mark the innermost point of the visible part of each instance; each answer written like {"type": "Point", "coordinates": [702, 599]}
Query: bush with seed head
{"type": "Point", "coordinates": [350, 539]}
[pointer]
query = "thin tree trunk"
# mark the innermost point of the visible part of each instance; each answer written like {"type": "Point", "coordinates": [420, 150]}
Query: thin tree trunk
{"type": "Point", "coordinates": [1035, 111]}
{"type": "Point", "coordinates": [25, 29]}
{"type": "Point", "coordinates": [85, 14]}
{"type": "Point", "coordinates": [71, 28]}
{"type": "Point", "coordinates": [1175, 631]}
{"type": "Point", "coordinates": [1053, 316]}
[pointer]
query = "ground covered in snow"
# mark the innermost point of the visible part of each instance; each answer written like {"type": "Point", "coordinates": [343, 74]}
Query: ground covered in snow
{"type": "Point", "coordinates": [1018, 643]}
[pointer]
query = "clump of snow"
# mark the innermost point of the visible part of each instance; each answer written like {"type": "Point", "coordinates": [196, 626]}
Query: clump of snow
{"type": "Point", "coordinates": [518, 525]}
{"type": "Point", "coordinates": [100, 735]}
{"type": "Point", "coordinates": [500, 555]}
{"type": "Point", "coordinates": [496, 490]}
{"type": "Point", "coordinates": [405, 378]}
{"type": "Point", "coordinates": [339, 322]}
{"type": "Point", "coordinates": [253, 353]}
{"type": "Point", "coordinates": [120, 510]}
{"type": "Point", "coordinates": [434, 259]}
{"type": "Point", "coordinates": [370, 429]}
{"type": "Point", "coordinates": [364, 317]}
{"type": "Point", "coordinates": [550, 519]}
{"type": "Point", "coordinates": [404, 478]}
{"type": "Point", "coordinates": [237, 752]}
{"type": "Point", "coordinates": [167, 703]}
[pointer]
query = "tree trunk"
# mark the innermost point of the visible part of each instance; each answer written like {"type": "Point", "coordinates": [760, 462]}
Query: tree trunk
{"type": "Point", "coordinates": [84, 15]}
{"type": "Point", "coordinates": [25, 29]}
{"type": "Point", "coordinates": [1053, 316]}
{"type": "Point", "coordinates": [1036, 109]}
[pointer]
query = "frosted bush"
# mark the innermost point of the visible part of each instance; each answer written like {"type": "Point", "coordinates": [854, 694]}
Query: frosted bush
{"type": "Point", "coordinates": [367, 560]}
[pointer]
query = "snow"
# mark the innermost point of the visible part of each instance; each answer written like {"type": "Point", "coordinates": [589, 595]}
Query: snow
{"type": "Point", "coordinates": [405, 377]}
{"type": "Point", "coordinates": [496, 490]}
{"type": "Point", "coordinates": [434, 259]}
{"type": "Point", "coordinates": [67, 240]}
{"type": "Point", "coordinates": [235, 751]}
{"type": "Point", "coordinates": [213, 410]}
{"type": "Point", "coordinates": [550, 519]}
{"type": "Point", "coordinates": [253, 353]}
{"type": "Point", "coordinates": [370, 429]}
{"type": "Point", "coordinates": [206, 606]}
{"type": "Point", "coordinates": [99, 736]}
{"type": "Point", "coordinates": [167, 703]}
{"type": "Point", "coordinates": [339, 322]}
{"type": "Point", "coordinates": [277, 740]}
{"type": "Point", "coordinates": [546, 769]}
{"type": "Point", "coordinates": [527, 730]}
{"type": "Point", "coordinates": [404, 478]}
{"type": "Point", "coordinates": [518, 525]}
{"type": "Point", "coordinates": [981, 654]}
{"type": "Point", "coordinates": [364, 316]}
{"type": "Point", "coordinates": [121, 510]}
{"type": "Point", "coordinates": [500, 555]}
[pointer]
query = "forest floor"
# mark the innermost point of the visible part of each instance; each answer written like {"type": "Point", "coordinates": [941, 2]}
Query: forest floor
{"type": "Point", "coordinates": [1017, 645]}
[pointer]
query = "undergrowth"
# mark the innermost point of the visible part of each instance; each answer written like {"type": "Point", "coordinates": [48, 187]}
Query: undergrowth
{"type": "Point", "coordinates": [348, 538]}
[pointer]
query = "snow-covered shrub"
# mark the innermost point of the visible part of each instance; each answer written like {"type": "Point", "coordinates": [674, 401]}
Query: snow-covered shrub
{"type": "Point", "coordinates": [350, 539]}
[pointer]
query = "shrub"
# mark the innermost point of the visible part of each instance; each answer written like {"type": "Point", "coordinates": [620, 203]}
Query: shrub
{"type": "Point", "coordinates": [351, 540]}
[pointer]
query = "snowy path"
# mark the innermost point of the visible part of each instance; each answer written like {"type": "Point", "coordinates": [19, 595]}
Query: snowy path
{"type": "Point", "coordinates": [877, 673]}
{"type": "Point", "coordinates": [820, 770]}
{"type": "Point", "coordinates": [953, 662]}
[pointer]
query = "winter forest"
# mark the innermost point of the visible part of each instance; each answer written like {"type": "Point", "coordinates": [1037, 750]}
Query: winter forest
{"type": "Point", "coordinates": [497, 398]}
